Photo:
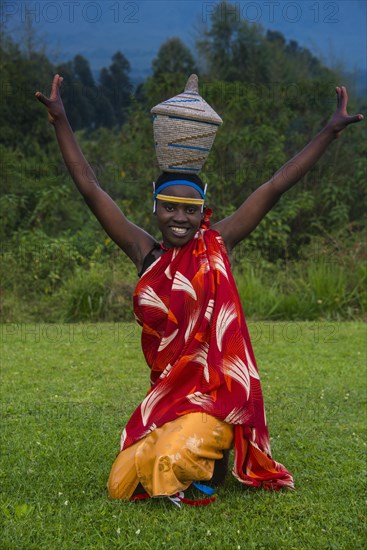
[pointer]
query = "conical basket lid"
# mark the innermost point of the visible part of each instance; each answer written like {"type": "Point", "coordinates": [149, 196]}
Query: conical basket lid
{"type": "Point", "coordinates": [184, 130]}
{"type": "Point", "coordinates": [189, 104]}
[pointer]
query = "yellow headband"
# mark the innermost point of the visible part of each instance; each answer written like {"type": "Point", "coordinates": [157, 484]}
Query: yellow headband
{"type": "Point", "coordinates": [185, 200]}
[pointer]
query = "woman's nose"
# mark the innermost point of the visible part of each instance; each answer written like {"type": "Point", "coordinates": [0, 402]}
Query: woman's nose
{"type": "Point", "coordinates": [180, 215]}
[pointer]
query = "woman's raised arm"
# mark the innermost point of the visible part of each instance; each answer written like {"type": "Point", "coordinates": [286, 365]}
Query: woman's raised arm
{"type": "Point", "coordinates": [242, 222]}
{"type": "Point", "coordinates": [133, 240]}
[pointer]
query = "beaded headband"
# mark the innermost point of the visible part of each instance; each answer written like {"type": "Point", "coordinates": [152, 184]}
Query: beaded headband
{"type": "Point", "coordinates": [188, 183]}
{"type": "Point", "coordinates": [184, 200]}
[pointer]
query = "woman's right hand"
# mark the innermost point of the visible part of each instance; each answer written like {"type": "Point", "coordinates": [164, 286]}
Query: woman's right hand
{"type": "Point", "coordinates": [53, 103]}
{"type": "Point", "coordinates": [340, 118]}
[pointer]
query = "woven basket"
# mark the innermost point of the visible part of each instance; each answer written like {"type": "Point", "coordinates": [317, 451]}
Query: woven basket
{"type": "Point", "coordinates": [184, 130]}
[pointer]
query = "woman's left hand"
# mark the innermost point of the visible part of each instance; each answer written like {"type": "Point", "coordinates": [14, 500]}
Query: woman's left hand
{"type": "Point", "coordinates": [340, 118]}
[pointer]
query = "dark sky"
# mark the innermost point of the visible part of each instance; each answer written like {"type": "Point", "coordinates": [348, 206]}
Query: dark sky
{"type": "Point", "coordinates": [332, 30]}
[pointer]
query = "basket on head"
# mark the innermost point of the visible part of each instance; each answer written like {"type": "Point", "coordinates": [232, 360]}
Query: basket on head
{"type": "Point", "coordinates": [184, 130]}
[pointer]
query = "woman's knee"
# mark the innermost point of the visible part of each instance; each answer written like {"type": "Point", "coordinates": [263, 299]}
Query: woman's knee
{"type": "Point", "coordinates": [119, 488]}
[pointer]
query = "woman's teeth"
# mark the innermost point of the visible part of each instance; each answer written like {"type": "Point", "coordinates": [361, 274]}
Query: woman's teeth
{"type": "Point", "coordinates": [179, 230]}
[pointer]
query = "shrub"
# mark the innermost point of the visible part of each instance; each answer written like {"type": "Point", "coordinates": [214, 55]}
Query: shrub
{"type": "Point", "coordinates": [97, 294]}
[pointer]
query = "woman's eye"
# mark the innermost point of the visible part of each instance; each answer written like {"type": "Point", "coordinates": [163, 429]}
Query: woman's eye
{"type": "Point", "coordinates": [191, 210]}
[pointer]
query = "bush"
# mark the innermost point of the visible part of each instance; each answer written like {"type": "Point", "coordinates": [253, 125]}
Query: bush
{"type": "Point", "coordinates": [97, 294]}
{"type": "Point", "coordinates": [329, 282]}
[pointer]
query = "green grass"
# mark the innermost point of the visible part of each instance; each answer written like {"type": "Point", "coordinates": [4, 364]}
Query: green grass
{"type": "Point", "coordinates": [303, 291]}
{"type": "Point", "coordinates": [68, 390]}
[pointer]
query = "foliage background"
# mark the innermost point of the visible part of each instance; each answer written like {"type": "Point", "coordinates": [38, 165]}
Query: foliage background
{"type": "Point", "coordinates": [304, 261]}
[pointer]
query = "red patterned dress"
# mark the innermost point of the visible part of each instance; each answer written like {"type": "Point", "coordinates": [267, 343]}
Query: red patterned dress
{"type": "Point", "coordinates": [196, 343]}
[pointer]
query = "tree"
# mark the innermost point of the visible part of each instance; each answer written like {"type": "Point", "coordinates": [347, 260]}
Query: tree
{"type": "Point", "coordinates": [82, 71]}
{"type": "Point", "coordinates": [21, 119]}
{"type": "Point", "coordinates": [215, 43]}
{"type": "Point", "coordinates": [171, 68]}
{"type": "Point", "coordinates": [79, 92]}
{"type": "Point", "coordinates": [174, 57]}
{"type": "Point", "coordinates": [115, 86]}
{"type": "Point", "coordinates": [232, 49]}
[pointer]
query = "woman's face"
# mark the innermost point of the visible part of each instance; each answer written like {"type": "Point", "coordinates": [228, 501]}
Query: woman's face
{"type": "Point", "coordinates": [178, 222]}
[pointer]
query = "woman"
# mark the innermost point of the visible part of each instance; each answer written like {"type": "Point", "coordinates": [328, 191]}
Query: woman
{"type": "Point", "coordinates": [205, 394]}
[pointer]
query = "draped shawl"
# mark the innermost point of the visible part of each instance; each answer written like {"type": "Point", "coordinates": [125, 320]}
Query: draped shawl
{"type": "Point", "coordinates": [196, 343]}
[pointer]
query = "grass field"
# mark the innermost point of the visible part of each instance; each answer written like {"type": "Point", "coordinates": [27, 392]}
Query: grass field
{"type": "Point", "coordinates": [68, 390]}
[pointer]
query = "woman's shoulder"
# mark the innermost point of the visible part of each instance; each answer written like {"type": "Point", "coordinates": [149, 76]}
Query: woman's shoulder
{"type": "Point", "coordinates": [153, 255]}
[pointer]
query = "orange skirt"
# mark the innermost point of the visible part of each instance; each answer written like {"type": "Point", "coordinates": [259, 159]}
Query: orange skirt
{"type": "Point", "coordinates": [171, 457]}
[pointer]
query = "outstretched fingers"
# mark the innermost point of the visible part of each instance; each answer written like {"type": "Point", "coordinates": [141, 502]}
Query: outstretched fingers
{"type": "Point", "coordinates": [43, 99]}
{"type": "Point", "coordinates": [355, 118]}
{"type": "Point", "coordinates": [338, 91]}
{"type": "Point", "coordinates": [342, 103]}
{"type": "Point", "coordinates": [342, 98]}
{"type": "Point", "coordinates": [55, 91]}
{"type": "Point", "coordinates": [56, 85]}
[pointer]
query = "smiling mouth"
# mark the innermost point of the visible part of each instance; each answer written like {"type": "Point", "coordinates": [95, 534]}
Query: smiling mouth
{"type": "Point", "coordinates": [179, 231]}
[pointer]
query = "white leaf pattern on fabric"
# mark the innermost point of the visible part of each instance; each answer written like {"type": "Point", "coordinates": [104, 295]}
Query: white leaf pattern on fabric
{"type": "Point", "coordinates": [167, 271]}
{"type": "Point", "coordinates": [265, 445]}
{"type": "Point", "coordinates": [202, 354]}
{"type": "Point", "coordinates": [204, 264]}
{"type": "Point", "coordinates": [166, 371]}
{"type": "Point", "coordinates": [151, 266]}
{"type": "Point", "coordinates": [235, 416]}
{"type": "Point", "coordinates": [150, 402]}
{"type": "Point", "coordinates": [177, 500]}
{"type": "Point", "coordinates": [251, 366]}
{"type": "Point", "coordinates": [167, 340]}
{"type": "Point", "coordinates": [201, 399]}
{"type": "Point", "coordinates": [254, 444]}
{"type": "Point", "coordinates": [202, 358]}
{"type": "Point", "coordinates": [219, 264]}
{"type": "Point", "coordinates": [182, 283]}
{"type": "Point", "coordinates": [236, 369]}
{"type": "Point", "coordinates": [151, 428]}
{"type": "Point", "coordinates": [190, 325]}
{"type": "Point", "coordinates": [225, 317]}
{"type": "Point", "coordinates": [206, 372]}
{"type": "Point", "coordinates": [149, 298]}
{"type": "Point", "coordinates": [209, 309]}
{"type": "Point", "coordinates": [123, 437]}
